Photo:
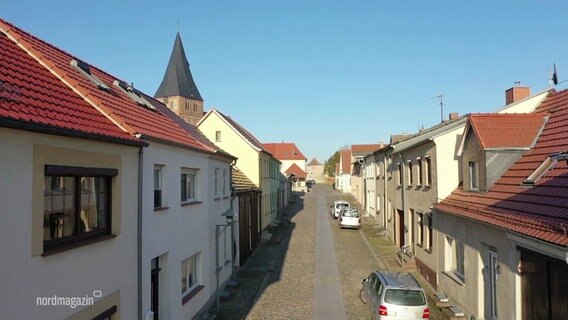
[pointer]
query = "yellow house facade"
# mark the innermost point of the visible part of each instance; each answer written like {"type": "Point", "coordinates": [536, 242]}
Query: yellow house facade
{"type": "Point", "coordinates": [254, 161]}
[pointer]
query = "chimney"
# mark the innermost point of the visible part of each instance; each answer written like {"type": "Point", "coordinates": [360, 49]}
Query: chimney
{"type": "Point", "coordinates": [516, 93]}
{"type": "Point", "coordinates": [454, 115]}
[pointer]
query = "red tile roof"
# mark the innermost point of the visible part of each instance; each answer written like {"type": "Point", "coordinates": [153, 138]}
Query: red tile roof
{"type": "Point", "coordinates": [500, 130]}
{"type": "Point", "coordinates": [115, 105]}
{"type": "Point", "coordinates": [33, 98]}
{"type": "Point", "coordinates": [540, 211]}
{"type": "Point", "coordinates": [346, 161]}
{"type": "Point", "coordinates": [364, 149]}
{"type": "Point", "coordinates": [284, 151]}
{"type": "Point", "coordinates": [297, 171]}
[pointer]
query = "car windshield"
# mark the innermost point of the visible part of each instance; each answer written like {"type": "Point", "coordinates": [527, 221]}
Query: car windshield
{"type": "Point", "coordinates": [351, 213]}
{"type": "Point", "coordinates": [342, 205]}
{"type": "Point", "coordinates": [403, 297]}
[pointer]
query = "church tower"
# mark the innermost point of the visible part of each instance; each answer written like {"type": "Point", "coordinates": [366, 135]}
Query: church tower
{"type": "Point", "coordinates": [178, 90]}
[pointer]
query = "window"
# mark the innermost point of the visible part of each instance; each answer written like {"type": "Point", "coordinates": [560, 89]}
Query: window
{"type": "Point", "coordinates": [473, 176]}
{"type": "Point", "coordinates": [455, 257]}
{"type": "Point", "coordinates": [400, 174]}
{"type": "Point", "coordinates": [420, 221]}
{"type": "Point", "coordinates": [107, 314]}
{"type": "Point", "coordinates": [188, 185]}
{"type": "Point", "coordinates": [134, 94]}
{"type": "Point", "coordinates": [216, 181]}
{"type": "Point", "coordinates": [410, 178]}
{"type": "Point", "coordinates": [419, 172]}
{"type": "Point", "coordinates": [224, 181]}
{"type": "Point", "coordinates": [217, 136]}
{"type": "Point", "coordinates": [85, 70]}
{"type": "Point", "coordinates": [189, 274]}
{"type": "Point", "coordinates": [77, 204]}
{"type": "Point", "coordinates": [158, 201]}
{"type": "Point", "coordinates": [428, 171]}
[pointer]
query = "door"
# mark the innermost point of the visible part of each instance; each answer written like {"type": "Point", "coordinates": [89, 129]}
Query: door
{"type": "Point", "coordinates": [155, 287]}
{"type": "Point", "coordinates": [491, 286]}
{"type": "Point", "coordinates": [400, 223]}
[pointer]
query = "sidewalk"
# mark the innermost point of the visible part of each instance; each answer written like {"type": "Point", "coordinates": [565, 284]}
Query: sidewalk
{"type": "Point", "coordinates": [254, 275]}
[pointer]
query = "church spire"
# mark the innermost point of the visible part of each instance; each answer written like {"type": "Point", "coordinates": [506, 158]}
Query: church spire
{"type": "Point", "coordinates": [178, 80]}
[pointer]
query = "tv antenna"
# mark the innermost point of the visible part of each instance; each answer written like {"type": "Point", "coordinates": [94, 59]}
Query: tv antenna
{"type": "Point", "coordinates": [441, 97]}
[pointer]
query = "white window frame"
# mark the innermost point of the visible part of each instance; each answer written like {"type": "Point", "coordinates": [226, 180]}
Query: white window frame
{"type": "Point", "coordinates": [190, 266]}
{"type": "Point", "coordinates": [473, 171]}
{"type": "Point", "coordinates": [189, 197]}
{"type": "Point", "coordinates": [159, 184]}
{"type": "Point", "coordinates": [455, 257]}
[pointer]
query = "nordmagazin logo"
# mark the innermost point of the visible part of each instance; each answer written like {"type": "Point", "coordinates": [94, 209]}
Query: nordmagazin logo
{"type": "Point", "coordinates": [71, 302]}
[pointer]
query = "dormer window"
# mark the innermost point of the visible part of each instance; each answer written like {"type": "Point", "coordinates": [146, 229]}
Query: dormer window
{"type": "Point", "coordinates": [473, 176]}
{"type": "Point", "coordinates": [85, 70]}
{"type": "Point", "coordinates": [547, 165]}
{"type": "Point", "coordinates": [134, 95]}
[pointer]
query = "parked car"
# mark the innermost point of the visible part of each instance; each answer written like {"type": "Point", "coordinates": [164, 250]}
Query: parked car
{"type": "Point", "coordinates": [310, 182]}
{"type": "Point", "coordinates": [394, 295]}
{"type": "Point", "coordinates": [349, 218]}
{"type": "Point", "coordinates": [336, 208]}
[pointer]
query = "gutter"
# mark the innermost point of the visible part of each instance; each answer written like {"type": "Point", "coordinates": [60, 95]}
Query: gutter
{"type": "Point", "coordinates": [59, 131]}
{"type": "Point", "coordinates": [139, 230]}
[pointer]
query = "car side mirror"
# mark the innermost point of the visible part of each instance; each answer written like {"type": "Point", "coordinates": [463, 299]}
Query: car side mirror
{"type": "Point", "coordinates": [364, 280]}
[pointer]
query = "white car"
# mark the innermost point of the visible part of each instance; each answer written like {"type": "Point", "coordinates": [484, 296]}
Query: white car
{"type": "Point", "coordinates": [335, 209]}
{"type": "Point", "coordinates": [350, 218]}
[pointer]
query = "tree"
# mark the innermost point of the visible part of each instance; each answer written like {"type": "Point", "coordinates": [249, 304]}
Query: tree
{"type": "Point", "coordinates": [329, 165]}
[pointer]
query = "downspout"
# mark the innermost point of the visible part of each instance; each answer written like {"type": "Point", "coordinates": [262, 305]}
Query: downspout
{"type": "Point", "coordinates": [139, 230]}
{"type": "Point", "coordinates": [233, 245]}
{"type": "Point", "coordinates": [403, 197]}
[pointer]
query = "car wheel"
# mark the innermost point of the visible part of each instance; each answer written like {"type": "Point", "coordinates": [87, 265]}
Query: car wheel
{"type": "Point", "coordinates": [362, 296]}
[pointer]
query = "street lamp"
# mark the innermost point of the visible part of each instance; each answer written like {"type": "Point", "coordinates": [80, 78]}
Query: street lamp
{"type": "Point", "coordinates": [229, 214]}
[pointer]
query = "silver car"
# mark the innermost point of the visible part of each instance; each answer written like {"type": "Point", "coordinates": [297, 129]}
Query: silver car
{"type": "Point", "coordinates": [394, 295]}
{"type": "Point", "coordinates": [349, 218]}
{"type": "Point", "coordinates": [335, 209]}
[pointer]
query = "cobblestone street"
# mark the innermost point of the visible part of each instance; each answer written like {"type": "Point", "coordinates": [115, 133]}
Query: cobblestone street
{"type": "Point", "coordinates": [310, 269]}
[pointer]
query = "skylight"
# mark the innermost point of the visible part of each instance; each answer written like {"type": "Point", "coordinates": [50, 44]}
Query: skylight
{"type": "Point", "coordinates": [85, 70]}
{"type": "Point", "coordinates": [134, 95]}
{"type": "Point", "coordinates": [547, 165]}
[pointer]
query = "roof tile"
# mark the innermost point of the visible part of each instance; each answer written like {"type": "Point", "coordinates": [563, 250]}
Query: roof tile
{"type": "Point", "coordinates": [540, 211]}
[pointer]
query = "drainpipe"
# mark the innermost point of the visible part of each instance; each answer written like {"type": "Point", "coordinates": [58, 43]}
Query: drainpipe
{"type": "Point", "coordinates": [403, 196]}
{"type": "Point", "coordinates": [233, 163]}
{"type": "Point", "coordinates": [139, 230]}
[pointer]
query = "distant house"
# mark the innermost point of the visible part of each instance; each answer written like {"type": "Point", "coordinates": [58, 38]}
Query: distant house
{"type": "Point", "coordinates": [343, 177]}
{"type": "Point", "coordinates": [248, 209]}
{"type": "Point", "coordinates": [255, 161]}
{"type": "Point", "coordinates": [358, 173]}
{"type": "Point", "coordinates": [315, 171]}
{"type": "Point", "coordinates": [290, 156]}
{"type": "Point", "coordinates": [297, 176]}
{"type": "Point", "coordinates": [502, 234]}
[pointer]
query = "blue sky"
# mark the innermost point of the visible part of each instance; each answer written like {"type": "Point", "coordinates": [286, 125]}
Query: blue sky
{"type": "Point", "coordinates": [322, 74]}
